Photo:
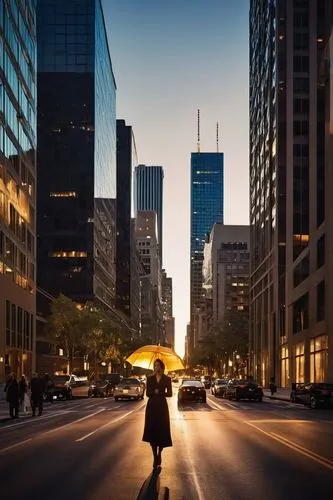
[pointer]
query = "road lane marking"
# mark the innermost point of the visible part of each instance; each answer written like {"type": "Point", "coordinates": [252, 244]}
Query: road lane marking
{"type": "Point", "coordinates": [193, 471]}
{"type": "Point", "coordinates": [31, 419]}
{"type": "Point", "coordinates": [216, 405]}
{"type": "Point", "coordinates": [15, 445]}
{"type": "Point", "coordinates": [296, 447]}
{"type": "Point", "coordinates": [306, 451]}
{"type": "Point", "coordinates": [279, 421]}
{"type": "Point", "coordinates": [71, 423]}
{"type": "Point", "coordinates": [231, 405]}
{"type": "Point", "coordinates": [108, 423]}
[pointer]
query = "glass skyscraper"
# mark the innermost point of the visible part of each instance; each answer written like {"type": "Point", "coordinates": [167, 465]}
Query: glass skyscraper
{"type": "Point", "coordinates": [290, 185]}
{"type": "Point", "coordinates": [126, 161]}
{"type": "Point", "coordinates": [148, 194]}
{"type": "Point", "coordinates": [207, 199]}
{"type": "Point", "coordinates": [17, 186]}
{"type": "Point", "coordinates": [76, 153]}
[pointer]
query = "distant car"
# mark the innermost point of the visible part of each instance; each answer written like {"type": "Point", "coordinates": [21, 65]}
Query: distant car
{"type": "Point", "coordinates": [101, 388]}
{"type": "Point", "coordinates": [191, 390]}
{"type": "Point", "coordinates": [219, 386]}
{"type": "Point", "coordinates": [207, 381]}
{"type": "Point", "coordinates": [60, 387]}
{"type": "Point", "coordinates": [312, 395]}
{"type": "Point", "coordinates": [129, 388]}
{"type": "Point", "coordinates": [243, 389]}
{"type": "Point", "coordinates": [113, 378]}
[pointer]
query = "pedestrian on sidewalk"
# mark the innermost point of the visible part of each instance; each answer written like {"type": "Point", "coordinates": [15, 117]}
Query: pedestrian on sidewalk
{"type": "Point", "coordinates": [23, 387]}
{"type": "Point", "coordinates": [272, 386]}
{"type": "Point", "coordinates": [157, 419]}
{"type": "Point", "coordinates": [37, 388]}
{"type": "Point", "coordinates": [12, 396]}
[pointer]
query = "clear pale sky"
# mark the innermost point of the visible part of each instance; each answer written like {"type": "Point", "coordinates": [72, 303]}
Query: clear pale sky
{"type": "Point", "coordinates": [171, 57]}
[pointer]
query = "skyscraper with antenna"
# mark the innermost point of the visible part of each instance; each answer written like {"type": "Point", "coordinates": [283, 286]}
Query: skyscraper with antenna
{"type": "Point", "coordinates": [207, 200]}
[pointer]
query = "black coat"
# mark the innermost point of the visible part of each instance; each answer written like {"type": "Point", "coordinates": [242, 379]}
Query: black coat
{"type": "Point", "coordinates": [157, 420]}
{"type": "Point", "coordinates": [13, 392]}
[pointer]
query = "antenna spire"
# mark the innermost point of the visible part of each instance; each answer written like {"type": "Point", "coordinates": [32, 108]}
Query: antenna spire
{"type": "Point", "coordinates": [198, 142]}
{"type": "Point", "coordinates": [217, 136]}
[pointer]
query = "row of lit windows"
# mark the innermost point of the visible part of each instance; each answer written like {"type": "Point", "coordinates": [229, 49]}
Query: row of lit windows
{"type": "Point", "coordinates": [68, 254]}
{"type": "Point", "coordinates": [19, 327]}
{"type": "Point", "coordinates": [318, 361]}
{"type": "Point", "coordinates": [63, 194]}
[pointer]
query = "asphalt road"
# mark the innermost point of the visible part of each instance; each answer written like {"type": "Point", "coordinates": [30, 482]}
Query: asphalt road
{"type": "Point", "coordinates": [91, 449]}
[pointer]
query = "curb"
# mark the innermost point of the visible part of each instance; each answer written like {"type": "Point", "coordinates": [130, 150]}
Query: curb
{"type": "Point", "coordinates": [278, 398]}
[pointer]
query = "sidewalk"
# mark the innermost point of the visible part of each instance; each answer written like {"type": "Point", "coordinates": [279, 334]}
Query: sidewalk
{"type": "Point", "coordinates": [283, 394]}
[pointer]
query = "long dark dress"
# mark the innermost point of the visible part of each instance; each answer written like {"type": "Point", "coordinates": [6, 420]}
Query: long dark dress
{"type": "Point", "coordinates": [157, 420]}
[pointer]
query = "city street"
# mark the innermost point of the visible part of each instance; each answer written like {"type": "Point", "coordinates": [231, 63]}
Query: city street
{"type": "Point", "coordinates": [92, 448]}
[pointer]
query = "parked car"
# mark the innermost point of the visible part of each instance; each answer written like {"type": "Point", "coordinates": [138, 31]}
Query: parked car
{"type": "Point", "coordinates": [219, 386]}
{"type": "Point", "coordinates": [101, 388]}
{"type": "Point", "coordinates": [129, 388]}
{"type": "Point", "coordinates": [191, 390]}
{"type": "Point", "coordinates": [243, 389]}
{"type": "Point", "coordinates": [60, 387]}
{"type": "Point", "coordinates": [312, 395]}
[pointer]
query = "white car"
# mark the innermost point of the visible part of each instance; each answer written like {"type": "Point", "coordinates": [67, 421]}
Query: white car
{"type": "Point", "coordinates": [129, 388]}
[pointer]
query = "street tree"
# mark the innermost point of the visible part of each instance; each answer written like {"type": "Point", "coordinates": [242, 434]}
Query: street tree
{"type": "Point", "coordinates": [64, 326]}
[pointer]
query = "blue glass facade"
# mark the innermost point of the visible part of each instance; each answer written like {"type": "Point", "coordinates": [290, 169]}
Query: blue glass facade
{"type": "Point", "coordinates": [105, 114]}
{"type": "Point", "coordinates": [207, 199]}
{"type": "Point", "coordinates": [76, 152]}
{"type": "Point", "coordinates": [206, 196]}
{"type": "Point", "coordinates": [17, 185]}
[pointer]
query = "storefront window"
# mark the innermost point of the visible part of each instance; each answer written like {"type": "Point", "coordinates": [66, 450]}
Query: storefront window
{"type": "Point", "coordinates": [318, 359]}
{"type": "Point", "coordinates": [299, 362]}
{"type": "Point", "coordinates": [285, 376]}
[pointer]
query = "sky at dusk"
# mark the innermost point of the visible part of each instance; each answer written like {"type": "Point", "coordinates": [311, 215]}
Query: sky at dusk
{"type": "Point", "coordinates": [171, 57]}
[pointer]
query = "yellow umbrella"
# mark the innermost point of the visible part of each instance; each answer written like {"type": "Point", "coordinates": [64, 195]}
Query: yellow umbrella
{"type": "Point", "coordinates": [145, 356]}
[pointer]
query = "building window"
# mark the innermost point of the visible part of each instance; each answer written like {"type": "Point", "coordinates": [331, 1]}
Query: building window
{"type": "Point", "coordinates": [318, 359]}
{"type": "Point", "coordinates": [285, 366]}
{"type": "Point", "coordinates": [321, 301]}
{"type": "Point", "coordinates": [321, 251]}
{"type": "Point", "coordinates": [301, 314]}
{"type": "Point", "coordinates": [301, 271]}
{"type": "Point", "coordinates": [299, 363]}
{"type": "Point", "coordinates": [8, 325]}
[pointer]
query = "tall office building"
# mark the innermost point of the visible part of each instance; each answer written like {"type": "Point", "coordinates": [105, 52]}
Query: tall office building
{"type": "Point", "coordinates": [207, 177]}
{"type": "Point", "coordinates": [148, 195]}
{"type": "Point", "coordinates": [17, 186]}
{"type": "Point", "coordinates": [126, 161]}
{"type": "Point", "coordinates": [76, 152]}
{"type": "Point", "coordinates": [150, 281]}
{"type": "Point", "coordinates": [226, 270]}
{"type": "Point", "coordinates": [167, 309]}
{"type": "Point", "coordinates": [289, 193]}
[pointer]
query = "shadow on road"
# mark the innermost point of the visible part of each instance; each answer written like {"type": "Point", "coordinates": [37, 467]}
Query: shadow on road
{"type": "Point", "coordinates": [188, 406]}
{"type": "Point", "coordinates": [150, 490]}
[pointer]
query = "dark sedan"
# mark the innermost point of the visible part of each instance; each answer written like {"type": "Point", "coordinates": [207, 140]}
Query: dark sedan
{"type": "Point", "coordinates": [101, 388]}
{"type": "Point", "coordinates": [313, 395]}
{"type": "Point", "coordinates": [191, 390]}
{"type": "Point", "coordinates": [59, 387]}
{"type": "Point", "coordinates": [243, 389]}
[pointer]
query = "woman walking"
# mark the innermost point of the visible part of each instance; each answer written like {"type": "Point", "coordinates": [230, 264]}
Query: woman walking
{"type": "Point", "coordinates": [157, 420]}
